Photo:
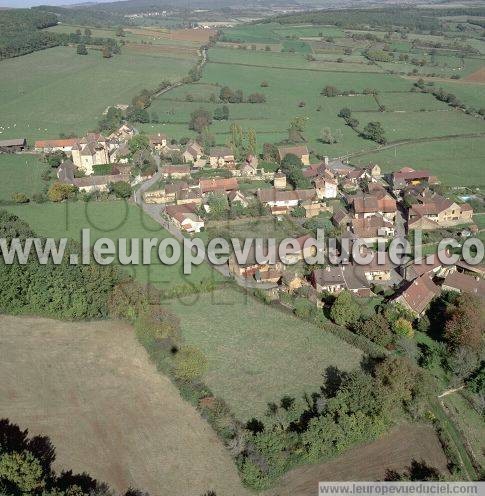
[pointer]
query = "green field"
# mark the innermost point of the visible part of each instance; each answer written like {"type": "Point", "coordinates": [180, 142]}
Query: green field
{"type": "Point", "coordinates": [114, 220]}
{"type": "Point", "coordinates": [256, 353]}
{"type": "Point", "coordinates": [20, 174]}
{"type": "Point", "coordinates": [454, 161]}
{"type": "Point", "coordinates": [56, 91]}
{"type": "Point", "coordinates": [470, 94]}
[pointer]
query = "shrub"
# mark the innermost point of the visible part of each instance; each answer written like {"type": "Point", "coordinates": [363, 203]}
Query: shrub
{"type": "Point", "coordinates": [189, 364]}
{"type": "Point", "coordinates": [60, 191]}
{"type": "Point", "coordinates": [345, 309]}
{"type": "Point", "coordinates": [20, 198]}
{"type": "Point", "coordinates": [403, 327]}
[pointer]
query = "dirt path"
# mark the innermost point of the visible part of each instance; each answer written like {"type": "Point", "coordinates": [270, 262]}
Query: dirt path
{"type": "Point", "coordinates": [91, 388]}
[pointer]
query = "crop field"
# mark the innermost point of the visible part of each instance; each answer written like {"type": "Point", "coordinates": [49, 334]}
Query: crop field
{"type": "Point", "coordinates": [455, 161]}
{"type": "Point", "coordinates": [20, 174]}
{"type": "Point", "coordinates": [233, 330]}
{"type": "Point", "coordinates": [112, 220]}
{"type": "Point", "coordinates": [91, 388]}
{"type": "Point", "coordinates": [56, 91]}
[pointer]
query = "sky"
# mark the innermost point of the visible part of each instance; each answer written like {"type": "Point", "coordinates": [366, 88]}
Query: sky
{"type": "Point", "coordinates": [31, 3]}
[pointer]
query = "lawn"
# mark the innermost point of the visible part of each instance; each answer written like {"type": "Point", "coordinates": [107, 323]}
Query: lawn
{"type": "Point", "coordinates": [457, 161]}
{"type": "Point", "coordinates": [257, 353]}
{"type": "Point", "coordinates": [56, 91]}
{"type": "Point", "coordinates": [114, 220]}
{"type": "Point", "coordinates": [20, 174]}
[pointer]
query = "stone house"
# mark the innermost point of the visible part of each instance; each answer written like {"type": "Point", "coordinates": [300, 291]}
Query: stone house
{"type": "Point", "coordinates": [301, 151]}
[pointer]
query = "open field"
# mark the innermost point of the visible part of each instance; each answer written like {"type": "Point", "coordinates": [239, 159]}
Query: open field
{"type": "Point", "coordinates": [257, 353]}
{"type": "Point", "coordinates": [394, 451]}
{"type": "Point", "coordinates": [56, 91]}
{"type": "Point", "coordinates": [91, 388]}
{"type": "Point", "coordinates": [20, 174]}
{"type": "Point", "coordinates": [114, 220]}
{"type": "Point", "coordinates": [455, 161]}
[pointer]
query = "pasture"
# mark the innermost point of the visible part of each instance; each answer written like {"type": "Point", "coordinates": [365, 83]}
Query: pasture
{"type": "Point", "coordinates": [20, 174]}
{"type": "Point", "coordinates": [256, 353]}
{"type": "Point", "coordinates": [56, 91]}
{"type": "Point", "coordinates": [457, 161]}
{"type": "Point", "coordinates": [113, 220]}
{"type": "Point", "coordinates": [92, 389]}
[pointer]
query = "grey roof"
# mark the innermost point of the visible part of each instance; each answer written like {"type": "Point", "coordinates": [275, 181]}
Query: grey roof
{"type": "Point", "coordinates": [14, 142]}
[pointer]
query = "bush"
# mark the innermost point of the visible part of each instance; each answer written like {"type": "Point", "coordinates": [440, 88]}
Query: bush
{"type": "Point", "coordinates": [345, 309]}
{"type": "Point", "coordinates": [20, 198]}
{"type": "Point", "coordinates": [403, 327]}
{"type": "Point", "coordinates": [60, 191]}
{"type": "Point", "coordinates": [189, 364]}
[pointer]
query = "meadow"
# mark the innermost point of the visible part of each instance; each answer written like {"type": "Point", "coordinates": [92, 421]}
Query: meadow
{"type": "Point", "coordinates": [113, 220]}
{"type": "Point", "coordinates": [256, 353]}
{"type": "Point", "coordinates": [20, 174]}
{"type": "Point", "coordinates": [56, 91]}
{"type": "Point", "coordinates": [457, 161]}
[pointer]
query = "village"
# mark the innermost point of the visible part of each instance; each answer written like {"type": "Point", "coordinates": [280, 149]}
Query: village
{"type": "Point", "coordinates": [194, 193]}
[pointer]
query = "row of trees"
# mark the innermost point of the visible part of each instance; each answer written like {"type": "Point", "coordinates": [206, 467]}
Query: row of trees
{"type": "Point", "coordinates": [227, 95]}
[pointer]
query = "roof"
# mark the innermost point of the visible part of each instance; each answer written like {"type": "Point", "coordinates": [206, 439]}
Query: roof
{"type": "Point", "coordinates": [465, 283]}
{"type": "Point", "coordinates": [369, 227]}
{"type": "Point", "coordinates": [348, 275]}
{"type": "Point", "coordinates": [419, 293]}
{"type": "Point", "coordinates": [218, 184]}
{"type": "Point", "coordinates": [235, 194]}
{"type": "Point", "coordinates": [425, 265]}
{"type": "Point", "coordinates": [174, 187]}
{"type": "Point", "coordinates": [365, 204]}
{"type": "Point", "coordinates": [65, 172]}
{"type": "Point", "coordinates": [157, 139]}
{"type": "Point", "coordinates": [178, 210]}
{"type": "Point", "coordinates": [221, 151]}
{"type": "Point", "coordinates": [13, 142]}
{"type": "Point", "coordinates": [298, 150]}
{"type": "Point", "coordinates": [275, 195]}
{"type": "Point", "coordinates": [188, 194]}
{"type": "Point", "coordinates": [193, 148]}
{"type": "Point", "coordinates": [339, 216]}
{"type": "Point", "coordinates": [56, 143]}
{"type": "Point", "coordinates": [407, 174]}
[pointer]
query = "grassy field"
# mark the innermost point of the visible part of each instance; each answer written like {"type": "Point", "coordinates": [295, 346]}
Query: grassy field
{"type": "Point", "coordinates": [256, 353]}
{"type": "Point", "coordinates": [113, 220]}
{"type": "Point", "coordinates": [56, 91]}
{"type": "Point", "coordinates": [20, 174]}
{"type": "Point", "coordinates": [91, 388]}
{"type": "Point", "coordinates": [455, 161]}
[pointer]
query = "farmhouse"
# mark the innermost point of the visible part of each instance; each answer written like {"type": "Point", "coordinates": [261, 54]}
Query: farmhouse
{"type": "Point", "coordinates": [193, 153]}
{"type": "Point", "coordinates": [250, 166]}
{"type": "Point", "coordinates": [251, 268]}
{"type": "Point", "coordinates": [158, 141]}
{"type": "Point", "coordinates": [184, 217]}
{"type": "Point", "coordinates": [281, 202]}
{"type": "Point", "coordinates": [334, 279]}
{"type": "Point", "coordinates": [325, 186]}
{"type": "Point", "coordinates": [464, 283]}
{"type": "Point", "coordinates": [418, 294]}
{"type": "Point", "coordinates": [408, 176]}
{"type": "Point", "coordinates": [221, 157]}
{"type": "Point", "coordinates": [174, 171]}
{"type": "Point", "coordinates": [438, 212]}
{"type": "Point", "coordinates": [371, 229]}
{"type": "Point", "coordinates": [301, 151]}
{"type": "Point", "coordinates": [48, 146]}
{"type": "Point", "coordinates": [90, 151]}
{"type": "Point", "coordinates": [13, 145]}
{"type": "Point", "coordinates": [218, 185]}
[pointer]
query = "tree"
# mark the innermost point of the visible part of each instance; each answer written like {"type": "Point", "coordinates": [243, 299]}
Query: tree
{"type": "Point", "coordinates": [330, 91]}
{"type": "Point", "coordinates": [256, 98]}
{"type": "Point", "coordinates": [137, 114]}
{"type": "Point", "coordinates": [375, 132]}
{"type": "Point", "coordinates": [465, 322]}
{"type": "Point", "coordinates": [107, 54]}
{"type": "Point", "coordinates": [345, 309]}
{"type": "Point", "coordinates": [22, 471]}
{"type": "Point", "coordinates": [221, 113]}
{"type": "Point", "coordinates": [120, 32]}
{"type": "Point", "coordinates": [20, 197]}
{"type": "Point", "coordinates": [296, 129]}
{"type": "Point", "coordinates": [139, 142]}
{"type": "Point", "coordinates": [200, 119]}
{"type": "Point", "coordinates": [376, 329]}
{"type": "Point", "coordinates": [60, 191]}
{"type": "Point", "coordinates": [251, 141]}
{"type": "Point", "coordinates": [189, 364]}
{"type": "Point", "coordinates": [345, 113]}
{"type": "Point", "coordinates": [218, 206]}
{"type": "Point", "coordinates": [81, 49]}
{"type": "Point", "coordinates": [403, 327]}
{"type": "Point", "coordinates": [121, 189]}
{"type": "Point", "coordinates": [87, 32]}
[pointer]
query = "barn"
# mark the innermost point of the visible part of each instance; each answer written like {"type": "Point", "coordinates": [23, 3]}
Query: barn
{"type": "Point", "coordinates": [13, 145]}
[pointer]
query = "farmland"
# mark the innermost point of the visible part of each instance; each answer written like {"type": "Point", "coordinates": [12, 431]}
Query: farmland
{"type": "Point", "coordinates": [114, 220]}
{"type": "Point", "coordinates": [56, 91]}
{"type": "Point", "coordinates": [258, 354]}
{"type": "Point", "coordinates": [91, 388]}
{"type": "Point", "coordinates": [20, 174]}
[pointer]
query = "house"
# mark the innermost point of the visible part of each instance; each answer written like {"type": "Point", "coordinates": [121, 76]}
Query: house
{"type": "Point", "coordinates": [377, 271]}
{"type": "Point", "coordinates": [249, 267]}
{"type": "Point", "coordinates": [408, 176]}
{"type": "Point", "coordinates": [279, 181]}
{"type": "Point", "coordinates": [374, 171]}
{"type": "Point", "coordinates": [124, 133]}
{"type": "Point", "coordinates": [334, 279]}
{"type": "Point", "coordinates": [283, 201]}
{"type": "Point", "coordinates": [170, 191]}
{"type": "Point", "coordinates": [305, 248]}
{"type": "Point", "coordinates": [65, 172]}
{"type": "Point", "coordinates": [218, 185]}
{"type": "Point", "coordinates": [371, 229]}
{"type": "Point", "coordinates": [418, 295]}
{"type": "Point", "coordinates": [430, 264]}
{"type": "Point", "coordinates": [190, 195]}
{"type": "Point", "coordinates": [174, 171]}
{"type": "Point", "coordinates": [158, 141]}
{"type": "Point", "coordinates": [237, 197]}
{"type": "Point", "coordinates": [354, 176]}
{"type": "Point", "coordinates": [437, 212]}
{"type": "Point", "coordinates": [325, 186]}
{"type": "Point", "coordinates": [88, 184]}
{"type": "Point", "coordinates": [221, 157]}
{"type": "Point", "coordinates": [301, 151]}
{"type": "Point", "coordinates": [464, 283]}
{"type": "Point", "coordinates": [341, 218]}
{"type": "Point", "coordinates": [313, 209]}
{"type": "Point", "coordinates": [250, 166]}
{"type": "Point", "coordinates": [338, 168]}
{"type": "Point", "coordinates": [13, 145]}
{"type": "Point", "coordinates": [185, 218]}
{"type": "Point", "coordinates": [367, 205]}
{"type": "Point", "coordinates": [49, 146]}
{"type": "Point", "coordinates": [92, 150]}
{"type": "Point", "coordinates": [291, 281]}
{"type": "Point", "coordinates": [193, 153]}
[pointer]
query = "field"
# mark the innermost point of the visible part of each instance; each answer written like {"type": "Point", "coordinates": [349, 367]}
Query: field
{"type": "Point", "coordinates": [113, 220]}
{"type": "Point", "coordinates": [455, 161]}
{"type": "Point", "coordinates": [91, 388]}
{"type": "Point", "coordinates": [56, 91]}
{"type": "Point", "coordinates": [20, 174]}
{"type": "Point", "coordinates": [256, 353]}
{"type": "Point", "coordinates": [394, 451]}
